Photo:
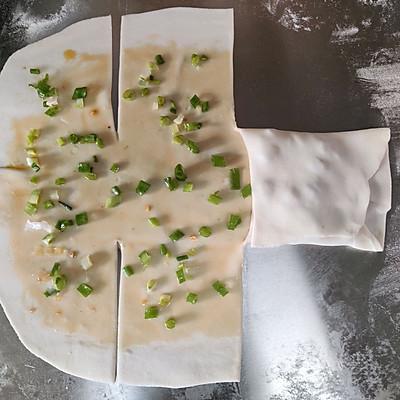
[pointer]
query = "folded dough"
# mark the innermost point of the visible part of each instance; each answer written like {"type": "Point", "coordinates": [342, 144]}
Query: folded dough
{"type": "Point", "coordinates": [327, 189]}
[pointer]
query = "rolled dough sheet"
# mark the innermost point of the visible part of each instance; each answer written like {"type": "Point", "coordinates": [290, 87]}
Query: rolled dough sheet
{"type": "Point", "coordinates": [327, 189]}
{"type": "Point", "coordinates": [205, 345]}
{"type": "Point", "coordinates": [62, 330]}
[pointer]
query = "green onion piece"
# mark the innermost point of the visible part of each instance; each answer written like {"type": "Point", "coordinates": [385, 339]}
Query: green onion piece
{"type": "Point", "coordinates": [62, 141]}
{"type": "Point", "coordinates": [195, 101]}
{"type": "Point", "coordinates": [31, 152]}
{"type": "Point", "coordinates": [74, 138]}
{"type": "Point", "coordinates": [128, 270]}
{"type": "Point", "coordinates": [65, 205]}
{"type": "Point", "coordinates": [34, 180]}
{"type": "Point", "coordinates": [88, 139]}
{"type": "Point", "coordinates": [82, 218]}
{"type": "Point", "coordinates": [60, 181]}
{"type": "Point", "coordinates": [178, 139]}
{"type": "Point", "coordinates": [234, 178]}
{"type": "Point", "coordinates": [142, 187]}
{"type": "Point", "coordinates": [32, 136]}
{"type": "Point", "coordinates": [233, 222]}
{"type": "Point", "coordinates": [79, 93]}
{"type": "Point", "coordinates": [84, 167]}
{"type": "Point", "coordinates": [30, 208]}
{"type": "Point", "coordinates": [183, 257]}
{"type": "Point", "coordinates": [95, 159]}
{"type": "Point", "coordinates": [159, 59]}
{"type": "Point", "coordinates": [176, 235]}
{"type": "Point", "coordinates": [144, 92]}
{"type": "Point", "coordinates": [145, 258]}
{"type": "Point", "coordinates": [170, 323]}
{"type": "Point", "coordinates": [50, 292]}
{"type": "Point", "coordinates": [151, 312]}
{"type": "Point", "coordinates": [129, 94]}
{"type": "Point", "coordinates": [171, 183]}
{"type": "Point", "coordinates": [114, 168]}
{"type": "Point", "coordinates": [154, 221]}
{"type": "Point", "coordinates": [52, 111]}
{"type": "Point", "coordinates": [165, 120]}
{"type": "Point", "coordinates": [215, 198]}
{"type": "Point", "coordinates": [192, 126]}
{"type": "Point", "coordinates": [91, 176]}
{"type": "Point", "coordinates": [218, 161]}
{"type": "Point", "coordinates": [63, 224]}
{"type": "Point", "coordinates": [160, 101]}
{"type": "Point", "coordinates": [35, 167]}
{"type": "Point", "coordinates": [49, 204]}
{"type": "Point", "coordinates": [55, 270]}
{"type": "Point", "coordinates": [180, 273]}
{"type": "Point", "coordinates": [164, 250]}
{"type": "Point", "coordinates": [192, 147]}
{"type": "Point", "coordinates": [153, 67]}
{"type": "Point", "coordinates": [49, 239]}
{"type": "Point", "coordinates": [34, 71]}
{"type": "Point", "coordinates": [180, 173]}
{"type": "Point", "coordinates": [204, 106]}
{"type": "Point", "coordinates": [116, 190]}
{"type": "Point", "coordinates": [34, 197]}
{"type": "Point", "coordinates": [197, 59]}
{"type": "Point", "coordinates": [192, 298]}
{"type": "Point", "coordinates": [80, 103]}
{"type": "Point", "coordinates": [113, 201]}
{"type": "Point", "coordinates": [84, 289]}
{"type": "Point", "coordinates": [151, 284]}
{"type": "Point", "coordinates": [165, 300]}
{"type": "Point", "coordinates": [220, 288]}
{"type": "Point", "coordinates": [99, 143]}
{"type": "Point", "coordinates": [246, 191]}
{"type": "Point", "coordinates": [172, 107]}
{"type": "Point", "coordinates": [205, 231]}
{"type": "Point", "coordinates": [43, 88]}
{"type": "Point", "coordinates": [59, 282]}
{"type": "Point", "coordinates": [187, 186]}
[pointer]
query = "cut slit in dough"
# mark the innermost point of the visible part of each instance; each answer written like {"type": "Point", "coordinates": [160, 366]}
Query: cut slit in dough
{"type": "Point", "coordinates": [327, 189]}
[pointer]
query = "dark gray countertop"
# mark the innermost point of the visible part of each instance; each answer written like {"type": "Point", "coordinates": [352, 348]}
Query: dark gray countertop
{"type": "Point", "coordinates": [299, 65]}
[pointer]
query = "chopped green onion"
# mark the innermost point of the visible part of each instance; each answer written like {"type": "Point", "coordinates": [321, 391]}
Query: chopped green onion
{"type": "Point", "coordinates": [32, 136]}
{"type": "Point", "coordinates": [60, 181]}
{"type": "Point", "coordinates": [144, 258]}
{"type": "Point", "coordinates": [88, 139]}
{"type": "Point", "coordinates": [178, 139]}
{"type": "Point", "coordinates": [65, 205]}
{"type": "Point", "coordinates": [144, 91]}
{"type": "Point", "coordinates": [81, 218]}
{"type": "Point", "coordinates": [63, 224]}
{"type": "Point", "coordinates": [187, 186]}
{"type": "Point", "coordinates": [35, 167]}
{"type": "Point", "coordinates": [215, 198]}
{"type": "Point", "coordinates": [49, 204]}
{"type": "Point", "coordinates": [34, 71]}
{"type": "Point", "coordinates": [205, 231]}
{"type": "Point", "coordinates": [159, 59]}
{"type": "Point", "coordinates": [50, 292]}
{"type": "Point", "coordinates": [165, 120]}
{"type": "Point", "coordinates": [55, 270]}
{"type": "Point", "coordinates": [170, 323]}
{"type": "Point", "coordinates": [80, 103]}
{"type": "Point", "coordinates": [154, 221]}
{"type": "Point", "coordinates": [180, 173]}
{"type": "Point", "coordinates": [183, 257]}
{"type": "Point", "coordinates": [31, 152]}
{"type": "Point", "coordinates": [59, 282]}
{"type": "Point", "coordinates": [192, 298]}
{"type": "Point", "coordinates": [49, 239]}
{"type": "Point", "coordinates": [30, 208]}
{"type": "Point", "coordinates": [192, 147]}
{"type": "Point", "coordinates": [204, 106]}
{"type": "Point", "coordinates": [142, 187]}
{"type": "Point", "coordinates": [84, 167]}
{"type": "Point", "coordinates": [128, 270]}
{"type": "Point", "coordinates": [114, 168]}
{"type": "Point", "coordinates": [62, 141]}
{"type": "Point", "coordinates": [52, 111]}
{"type": "Point", "coordinates": [234, 178]}
{"type": "Point", "coordinates": [151, 312]}
{"type": "Point", "coordinates": [160, 101]}
{"type": "Point", "coordinates": [34, 180]}
{"type": "Point", "coordinates": [74, 138]}
{"type": "Point", "coordinates": [43, 88]}
{"type": "Point", "coordinates": [84, 289]}
{"type": "Point", "coordinates": [198, 59]}
{"type": "Point", "coordinates": [150, 80]}
{"type": "Point", "coordinates": [165, 300]}
{"type": "Point", "coordinates": [171, 183]}
{"type": "Point", "coordinates": [180, 273]}
{"type": "Point", "coordinates": [220, 288]}
{"type": "Point", "coordinates": [246, 191]}
{"type": "Point", "coordinates": [99, 143]}
{"type": "Point", "coordinates": [172, 107]}
{"type": "Point", "coordinates": [151, 284]}
{"type": "Point", "coordinates": [153, 67]}
{"type": "Point", "coordinates": [164, 250]}
{"type": "Point", "coordinates": [91, 176]}
{"type": "Point", "coordinates": [192, 126]}
{"type": "Point", "coordinates": [218, 161]}
{"type": "Point", "coordinates": [195, 101]}
{"type": "Point", "coordinates": [79, 93]}
{"type": "Point", "coordinates": [233, 222]}
{"type": "Point", "coordinates": [113, 201]}
{"type": "Point", "coordinates": [34, 197]}
{"type": "Point", "coordinates": [129, 94]}
{"type": "Point", "coordinates": [176, 235]}
{"type": "Point", "coordinates": [86, 263]}
{"type": "Point", "coordinates": [116, 191]}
